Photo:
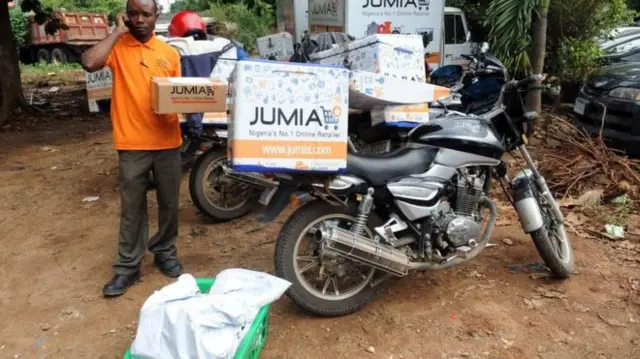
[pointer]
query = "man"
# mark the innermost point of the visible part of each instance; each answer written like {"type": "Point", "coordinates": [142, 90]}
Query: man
{"type": "Point", "coordinates": [144, 140]}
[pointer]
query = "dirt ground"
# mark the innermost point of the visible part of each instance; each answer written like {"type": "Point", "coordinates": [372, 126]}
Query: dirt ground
{"type": "Point", "coordinates": [57, 251]}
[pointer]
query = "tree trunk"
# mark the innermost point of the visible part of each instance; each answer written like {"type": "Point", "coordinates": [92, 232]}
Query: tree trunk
{"type": "Point", "coordinates": [11, 84]}
{"type": "Point", "coordinates": [538, 47]}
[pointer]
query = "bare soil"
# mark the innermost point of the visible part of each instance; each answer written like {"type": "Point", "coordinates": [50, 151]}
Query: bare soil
{"type": "Point", "coordinates": [57, 252]}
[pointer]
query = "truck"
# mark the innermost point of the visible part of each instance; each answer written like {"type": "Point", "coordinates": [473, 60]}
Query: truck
{"type": "Point", "coordinates": [84, 30]}
{"type": "Point", "coordinates": [292, 17]}
{"type": "Point", "coordinates": [445, 28]}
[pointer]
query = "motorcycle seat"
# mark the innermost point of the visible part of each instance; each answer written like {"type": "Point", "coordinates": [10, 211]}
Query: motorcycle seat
{"type": "Point", "coordinates": [380, 168]}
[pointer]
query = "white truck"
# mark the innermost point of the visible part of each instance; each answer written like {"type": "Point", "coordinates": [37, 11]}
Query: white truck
{"type": "Point", "coordinates": [446, 26]}
{"type": "Point", "coordinates": [292, 17]}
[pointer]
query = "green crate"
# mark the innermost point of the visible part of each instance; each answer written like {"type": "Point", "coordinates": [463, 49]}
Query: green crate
{"type": "Point", "coordinates": [256, 337]}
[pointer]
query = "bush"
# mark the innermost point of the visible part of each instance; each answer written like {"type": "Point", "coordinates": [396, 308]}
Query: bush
{"type": "Point", "coordinates": [576, 26]}
{"type": "Point", "coordinates": [110, 7]}
{"type": "Point", "coordinates": [239, 21]}
{"type": "Point", "coordinates": [19, 27]}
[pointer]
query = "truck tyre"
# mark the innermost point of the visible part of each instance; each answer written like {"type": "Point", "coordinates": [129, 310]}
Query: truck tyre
{"type": "Point", "coordinates": [43, 55]}
{"type": "Point", "coordinates": [58, 56]}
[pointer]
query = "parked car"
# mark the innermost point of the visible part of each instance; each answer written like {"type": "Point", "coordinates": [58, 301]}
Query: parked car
{"type": "Point", "coordinates": [617, 88]}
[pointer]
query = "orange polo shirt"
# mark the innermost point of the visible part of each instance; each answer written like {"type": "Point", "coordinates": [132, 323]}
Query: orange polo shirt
{"type": "Point", "coordinates": [135, 125]}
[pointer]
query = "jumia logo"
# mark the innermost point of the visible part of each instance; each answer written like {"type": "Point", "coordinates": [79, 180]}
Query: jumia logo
{"type": "Point", "coordinates": [278, 116]}
{"type": "Point", "coordinates": [325, 8]}
{"type": "Point", "coordinates": [99, 76]}
{"type": "Point", "coordinates": [192, 90]}
{"type": "Point", "coordinates": [396, 3]}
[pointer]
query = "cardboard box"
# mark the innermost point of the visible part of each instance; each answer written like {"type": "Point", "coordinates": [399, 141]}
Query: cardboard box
{"type": "Point", "coordinates": [223, 69]}
{"type": "Point", "coordinates": [187, 95]}
{"type": "Point", "coordinates": [288, 117]}
{"type": "Point", "coordinates": [279, 46]}
{"type": "Point", "coordinates": [395, 56]}
{"type": "Point", "coordinates": [401, 116]}
{"type": "Point", "coordinates": [99, 86]}
{"type": "Point", "coordinates": [368, 91]}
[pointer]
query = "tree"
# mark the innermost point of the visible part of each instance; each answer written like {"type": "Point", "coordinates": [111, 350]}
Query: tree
{"type": "Point", "coordinates": [511, 38]}
{"type": "Point", "coordinates": [537, 53]}
{"type": "Point", "coordinates": [11, 95]}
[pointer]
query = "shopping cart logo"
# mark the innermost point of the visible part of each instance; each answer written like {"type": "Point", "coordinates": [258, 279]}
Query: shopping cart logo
{"type": "Point", "coordinates": [331, 116]}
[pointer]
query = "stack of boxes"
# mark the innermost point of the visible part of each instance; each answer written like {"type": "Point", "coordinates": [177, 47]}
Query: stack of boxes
{"type": "Point", "coordinates": [294, 117]}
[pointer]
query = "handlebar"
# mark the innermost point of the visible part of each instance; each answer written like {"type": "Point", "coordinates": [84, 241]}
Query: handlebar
{"type": "Point", "coordinates": [518, 84]}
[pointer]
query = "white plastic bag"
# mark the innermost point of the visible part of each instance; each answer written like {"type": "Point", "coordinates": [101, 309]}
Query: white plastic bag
{"type": "Point", "coordinates": [178, 322]}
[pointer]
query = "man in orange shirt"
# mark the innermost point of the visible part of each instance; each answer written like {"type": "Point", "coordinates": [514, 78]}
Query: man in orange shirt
{"type": "Point", "coordinates": [145, 141]}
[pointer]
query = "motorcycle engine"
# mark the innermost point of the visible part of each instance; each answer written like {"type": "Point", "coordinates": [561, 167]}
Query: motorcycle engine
{"type": "Point", "coordinates": [463, 224]}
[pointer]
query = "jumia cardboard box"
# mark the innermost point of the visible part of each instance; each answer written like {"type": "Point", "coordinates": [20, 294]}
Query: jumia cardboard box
{"type": "Point", "coordinates": [187, 95]}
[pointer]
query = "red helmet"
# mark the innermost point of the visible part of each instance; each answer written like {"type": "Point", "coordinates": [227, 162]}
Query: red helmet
{"type": "Point", "coordinates": [187, 23]}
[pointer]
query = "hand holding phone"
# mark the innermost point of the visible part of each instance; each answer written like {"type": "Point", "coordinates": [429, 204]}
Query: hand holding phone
{"type": "Point", "coordinates": [122, 22]}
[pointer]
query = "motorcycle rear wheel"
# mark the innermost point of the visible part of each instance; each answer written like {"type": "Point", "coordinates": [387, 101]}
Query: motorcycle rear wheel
{"type": "Point", "coordinates": [319, 303]}
{"type": "Point", "coordinates": [199, 179]}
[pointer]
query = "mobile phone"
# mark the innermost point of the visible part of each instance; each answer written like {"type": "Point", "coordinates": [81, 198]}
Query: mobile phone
{"type": "Point", "coordinates": [127, 23]}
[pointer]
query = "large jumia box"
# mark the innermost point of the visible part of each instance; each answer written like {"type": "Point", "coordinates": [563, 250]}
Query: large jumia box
{"type": "Point", "coordinates": [396, 56]}
{"type": "Point", "coordinates": [369, 91]}
{"type": "Point", "coordinates": [187, 95]}
{"type": "Point", "coordinates": [276, 47]}
{"type": "Point", "coordinates": [99, 86]}
{"type": "Point", "coordinates": [288, 117]}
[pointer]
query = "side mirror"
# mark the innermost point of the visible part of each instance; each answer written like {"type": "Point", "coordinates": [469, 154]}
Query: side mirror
{"type": "Point", "coordinates": [484, 47]}
{"type": "Point", "coordinates": [468, 36]}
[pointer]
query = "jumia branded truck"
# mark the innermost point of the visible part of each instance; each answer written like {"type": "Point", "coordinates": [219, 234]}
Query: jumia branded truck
{"type": "Point", "coordinates": [445, 27]}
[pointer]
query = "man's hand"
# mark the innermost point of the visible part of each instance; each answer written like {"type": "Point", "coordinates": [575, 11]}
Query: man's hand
{"type": "Point", "coordinates": [95, 58]}
{"type": "Point", "coordinates": [121, 23]}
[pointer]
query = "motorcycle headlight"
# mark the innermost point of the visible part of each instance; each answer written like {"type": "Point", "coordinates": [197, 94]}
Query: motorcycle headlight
{"type": "Point", "coordinates": [625, 93]}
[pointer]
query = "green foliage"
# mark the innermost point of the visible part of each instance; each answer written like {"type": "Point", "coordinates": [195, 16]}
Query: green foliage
{"type": "Point", "coordinates": [475, 12]}
{"type": "Point", "coordinates": [510, 23]}
{"type": "Point", "coordinates": [19, 27]}
{"type": "Point", "coordinates": [195, 5]}
{"type": "Point", "coordinates": [43, 15]}
{"type": "Point", "coordinates": [574, 60]}
{"type": "Point", "coordinates": [250, 23]}
{"type": "Point", "coordinates": [577, 25]}
{"type": "Point", "coordinates": [46, 68]}
{"type": "Point", "coordinates": [110, 7]}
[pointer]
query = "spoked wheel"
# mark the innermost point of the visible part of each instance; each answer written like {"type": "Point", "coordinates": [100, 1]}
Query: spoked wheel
{"type": "Point", "coordinates": [323, 283]}
{"type": "Point", "coordinates": [552, 242]}
{"type": "Point", "coordinates": [213, 193]}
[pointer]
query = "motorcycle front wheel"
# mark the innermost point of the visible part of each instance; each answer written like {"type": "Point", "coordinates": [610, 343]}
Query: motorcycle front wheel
{"type": "Point", "coordinates": [552, 242]}
{"type": "Point", "coordinates": [323, 283]}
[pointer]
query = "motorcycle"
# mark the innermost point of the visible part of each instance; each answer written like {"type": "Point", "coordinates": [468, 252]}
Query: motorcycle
{"type": "Point", "coordinates": [421, 207]}
{"type": "Point", "coordinates": [223, 194]}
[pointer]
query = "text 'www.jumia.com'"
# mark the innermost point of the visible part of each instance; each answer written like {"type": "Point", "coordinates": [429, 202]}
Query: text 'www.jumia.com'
{"type": "Point", "coordinates": [295, 150]}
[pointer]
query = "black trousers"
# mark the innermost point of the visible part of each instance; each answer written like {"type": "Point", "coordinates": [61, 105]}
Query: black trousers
{"type": "Point", "coordinates": [134, 221]}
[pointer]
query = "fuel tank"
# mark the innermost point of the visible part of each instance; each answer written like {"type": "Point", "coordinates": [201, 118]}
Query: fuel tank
{"type": "Point", "coordinates": [464, 134]}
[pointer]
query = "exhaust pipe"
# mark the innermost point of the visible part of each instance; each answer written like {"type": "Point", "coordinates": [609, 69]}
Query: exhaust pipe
{"type": "Point", "coordinates": [361, 249]}
{"type": "Point", "coordinates": [388, 259]}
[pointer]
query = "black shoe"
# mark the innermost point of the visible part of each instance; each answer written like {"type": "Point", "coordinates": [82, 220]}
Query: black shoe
{"type": "Point", "coordinates": [170, 267]}
{"type": "Point", "coordinates": [119, 284]}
